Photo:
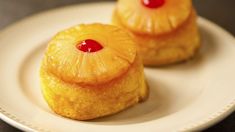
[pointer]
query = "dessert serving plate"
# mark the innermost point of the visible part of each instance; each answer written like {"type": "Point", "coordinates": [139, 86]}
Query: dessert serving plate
{"type": "Point", "coordinates": [184, 97]}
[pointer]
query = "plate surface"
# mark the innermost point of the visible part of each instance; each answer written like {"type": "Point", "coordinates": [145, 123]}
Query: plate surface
{"type": "Point", "coordinates": [187, 96]}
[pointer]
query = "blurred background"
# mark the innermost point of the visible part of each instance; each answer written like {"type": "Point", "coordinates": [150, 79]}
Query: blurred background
{"type": "Point", "coordinates": [221, 12]}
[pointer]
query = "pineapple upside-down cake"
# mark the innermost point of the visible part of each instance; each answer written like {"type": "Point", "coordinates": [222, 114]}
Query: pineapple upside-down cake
{"type": "Point", "coordinates": [90, 71]}
{"type": "Point", "coordinates": [165, 31]}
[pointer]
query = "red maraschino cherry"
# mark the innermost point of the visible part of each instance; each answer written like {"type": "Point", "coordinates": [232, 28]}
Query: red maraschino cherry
{"type": "Point", "coordinates": [153, 3]}
{"type": "Point", "coordinates": [89, 45]}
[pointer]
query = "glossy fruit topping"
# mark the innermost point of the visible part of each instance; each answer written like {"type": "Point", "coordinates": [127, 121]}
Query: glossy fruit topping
{"type": "Point", "coordinates": [89, 45]}
{"type": "Point", "coordinates": [153, 3]}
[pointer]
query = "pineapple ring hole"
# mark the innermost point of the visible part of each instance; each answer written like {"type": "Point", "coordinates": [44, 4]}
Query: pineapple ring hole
{"type": "Point", "coordinates": [89, 45]}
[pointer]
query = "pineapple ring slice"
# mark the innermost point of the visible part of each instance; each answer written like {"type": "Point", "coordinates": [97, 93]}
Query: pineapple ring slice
{"type": "Point", "coordinates": [153, 21]}
{"type": "Point", "coordinates": [65, 61]}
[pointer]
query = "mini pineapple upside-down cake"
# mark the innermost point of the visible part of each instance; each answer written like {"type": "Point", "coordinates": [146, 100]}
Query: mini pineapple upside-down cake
{"type": "Point", "coordinates": [165, 31]}
{"type": "Point", "coordinates": [90, 71]}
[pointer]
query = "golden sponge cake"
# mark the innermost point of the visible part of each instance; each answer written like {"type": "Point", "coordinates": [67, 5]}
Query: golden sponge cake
{"type": "Point", "coordinates": [90, 71]}
{"type": "Point", "coordinates": [165, 34]}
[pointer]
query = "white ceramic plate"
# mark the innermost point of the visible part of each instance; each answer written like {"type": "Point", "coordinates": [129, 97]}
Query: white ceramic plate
{"type": "Point", "coordinates": [187, 96]}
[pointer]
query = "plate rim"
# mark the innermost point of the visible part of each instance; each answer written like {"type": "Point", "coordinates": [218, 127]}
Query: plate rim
{"type": "Point", "coordinates": [207, 122]}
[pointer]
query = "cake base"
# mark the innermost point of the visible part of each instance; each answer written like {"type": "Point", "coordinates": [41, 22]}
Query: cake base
{"type": "Point", "coordinates": [84, 102]}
